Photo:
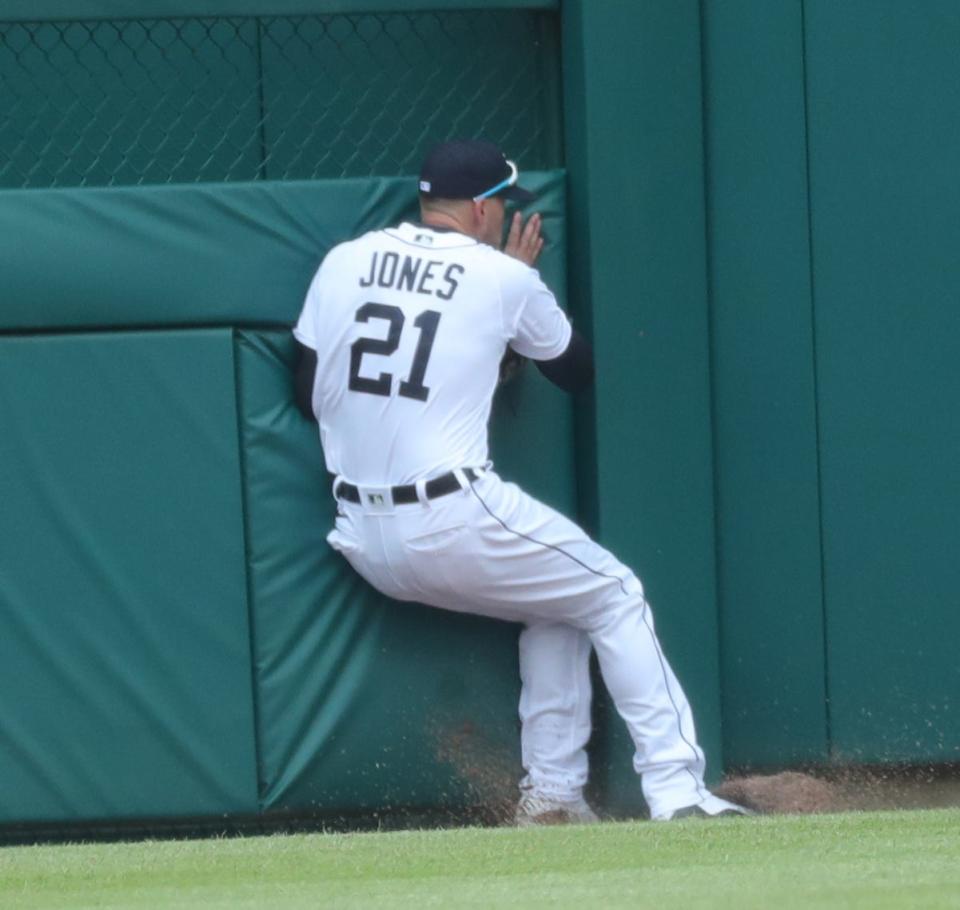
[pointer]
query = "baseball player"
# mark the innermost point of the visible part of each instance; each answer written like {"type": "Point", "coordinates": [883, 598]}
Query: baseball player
{"type": "Point", "coordinates": [401, 336]}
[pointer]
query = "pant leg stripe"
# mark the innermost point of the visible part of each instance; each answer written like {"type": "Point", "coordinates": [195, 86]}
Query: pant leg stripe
{"type": "Point", "coordinates": [666, 685]}
{"type": "Point", "coordinates": [549, 546]}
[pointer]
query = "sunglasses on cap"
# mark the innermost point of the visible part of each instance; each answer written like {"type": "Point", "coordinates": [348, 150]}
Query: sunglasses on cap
{"type": "Point", "coordinates": [502, 185]}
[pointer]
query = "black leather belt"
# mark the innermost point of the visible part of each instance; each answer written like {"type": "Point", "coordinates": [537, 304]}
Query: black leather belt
{"type": "Point", "coordinates": [407, 493]}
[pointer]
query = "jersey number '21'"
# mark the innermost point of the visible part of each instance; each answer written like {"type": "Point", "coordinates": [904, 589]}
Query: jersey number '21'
{"type": "Point", "coordinates": [411, 387]}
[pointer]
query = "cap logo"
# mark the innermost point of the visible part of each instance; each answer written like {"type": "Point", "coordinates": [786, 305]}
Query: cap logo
{"type": "Point", "coordinates": [424, 186]}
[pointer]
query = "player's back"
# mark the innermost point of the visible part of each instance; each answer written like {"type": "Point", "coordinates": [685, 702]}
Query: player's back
{"type": "Point", "coordinates": [409, 328]}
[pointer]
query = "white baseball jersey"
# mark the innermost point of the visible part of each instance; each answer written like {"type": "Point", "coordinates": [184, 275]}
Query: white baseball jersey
{"type": "Point", "coordinates": [409, 325]}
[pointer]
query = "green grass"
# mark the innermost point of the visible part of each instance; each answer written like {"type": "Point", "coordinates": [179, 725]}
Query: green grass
{"type": "Point", "coordinates": [870, 860]}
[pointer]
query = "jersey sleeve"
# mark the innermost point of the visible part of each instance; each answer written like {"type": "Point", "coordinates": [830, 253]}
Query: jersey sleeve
{"type": "Point", "coordinates": [536, 326]}
{"type": "Point", "coordinates": [305, 331]}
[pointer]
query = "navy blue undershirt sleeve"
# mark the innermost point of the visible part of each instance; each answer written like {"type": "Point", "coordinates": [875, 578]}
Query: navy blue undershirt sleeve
{"type": "Point", "coordinates": [303, 380]}
{"type": "Point", "coordinates": [573, 370]}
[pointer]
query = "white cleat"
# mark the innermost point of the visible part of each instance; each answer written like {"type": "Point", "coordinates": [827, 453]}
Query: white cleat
{"type": "Point", "coordinates": [543, 810]}
{"type": "Point", "coordinates": [711, 807]}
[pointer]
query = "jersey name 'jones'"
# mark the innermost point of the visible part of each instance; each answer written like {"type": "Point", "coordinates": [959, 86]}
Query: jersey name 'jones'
{"type": "Point", "coordinates": [388, 271]}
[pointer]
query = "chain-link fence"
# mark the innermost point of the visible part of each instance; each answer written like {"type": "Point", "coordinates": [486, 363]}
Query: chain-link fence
{"type": "Point", "coordinates": [157, 101]}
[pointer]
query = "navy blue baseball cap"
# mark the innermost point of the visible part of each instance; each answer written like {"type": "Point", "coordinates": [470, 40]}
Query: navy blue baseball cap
{"type": "Point", "coordinates": [470, 169]}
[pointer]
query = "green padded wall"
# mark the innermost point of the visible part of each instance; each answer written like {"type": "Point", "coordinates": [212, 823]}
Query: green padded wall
{"type": "Point", "coordinates": [764, 408]}
{"type": "Point", "coordinates": [884, 145]}
{"type": "Point", "coordinates": [355, 703]}
{"type": "Point", "coordinates": [231, 254]}
{"type": "Point", "coordinates": [364, 703]}
{"type": "Point", "coordinates": [125, 684]}
{"type": "Point", "coordinates": [638, 263]}
{"type": "Point", "coordinates": [177, 255]}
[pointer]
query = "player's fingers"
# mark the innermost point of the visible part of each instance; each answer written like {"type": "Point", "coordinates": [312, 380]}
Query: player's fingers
{"type": "Point", "coordinates": [532, 241]}
{"type": "Point", "coordinates": [513, 237]}
{"type": "Point", "coordinates": [531, 230]}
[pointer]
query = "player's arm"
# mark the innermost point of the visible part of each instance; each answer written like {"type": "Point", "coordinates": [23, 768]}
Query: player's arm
{"type": "Point", "coordinates": [303, 380]}
{"type": "Point", "coordinates": [539, 330]}
{"type": "Point", "coordinates": [573, 370]}
{"type": "Point", "coordinates": [305, 335]}
{"type": "Point", "coordinates": [544, 335]}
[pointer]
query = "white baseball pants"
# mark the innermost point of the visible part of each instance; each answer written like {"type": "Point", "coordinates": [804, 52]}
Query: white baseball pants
{"type": "Point", "coordinates": [492, 550]}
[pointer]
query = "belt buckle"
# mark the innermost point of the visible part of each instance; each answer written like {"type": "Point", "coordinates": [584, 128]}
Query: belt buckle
{"type": "Point", "coordinates": [376, 500]}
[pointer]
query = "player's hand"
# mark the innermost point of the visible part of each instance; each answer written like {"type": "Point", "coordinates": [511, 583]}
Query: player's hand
{"type": "Point", "coordinates": [523, 240]}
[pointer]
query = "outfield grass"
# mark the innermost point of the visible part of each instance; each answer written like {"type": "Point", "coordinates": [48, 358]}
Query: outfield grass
{"type": "Point", "coordinates": [869, 860]}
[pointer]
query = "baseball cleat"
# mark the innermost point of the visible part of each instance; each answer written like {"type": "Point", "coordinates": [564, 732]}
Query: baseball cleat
{"type": "Point", "coordinates": [542, 810]}
{"type": "Point", "coordinates": [712, 807]}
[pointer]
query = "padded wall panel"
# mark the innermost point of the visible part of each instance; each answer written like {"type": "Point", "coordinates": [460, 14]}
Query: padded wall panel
{"type": "Point", "coordinates": [177, 255]}
{"type": "Point", "coordinates": [364, 703]}
{"type": "Point", "coordinates": [125, 687]}
{"type": "Point", "coordinates": [764, 408]}
{"type": "Point", "coordinates": [233, 254]}
{"type": "Point", "coordinates": [884, 144]}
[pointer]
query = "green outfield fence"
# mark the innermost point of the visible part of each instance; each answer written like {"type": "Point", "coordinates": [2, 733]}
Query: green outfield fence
{"type": "Point", "coordinates": [139, 101]}
{"type": "Point", "coordinates": [750, 207]}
